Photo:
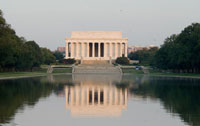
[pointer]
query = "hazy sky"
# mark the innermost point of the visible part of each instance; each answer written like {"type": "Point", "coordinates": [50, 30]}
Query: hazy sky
{"type": "Point", "coordinates": [143, 22]}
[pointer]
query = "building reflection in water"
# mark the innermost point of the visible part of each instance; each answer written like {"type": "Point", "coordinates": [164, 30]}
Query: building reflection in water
{"type": "Point", "coordinates": [95, 95]}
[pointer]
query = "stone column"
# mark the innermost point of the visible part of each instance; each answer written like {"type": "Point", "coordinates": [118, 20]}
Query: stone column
{"type": "Point", "coordinates": [105, 49]}
{"type": "Point", "coordinates": [82, 49]}
{"type": "Point", "coordinates": [66, 50]}
{"type": "Point", "coordinates": [111, 49]}
{"type": "Point", "coordinates": [116, 51]}
{"type": "Point", "coordinates": [87, 49]}
{"type": "Point", "coordinates": [77, 50]}
{"type": "Point", "coordinates": [99, 44]}
{"type": "Point", "coordinates": [93, 49]}
{"type": "Point", "coordinates": [120, 49]}
{"type": "Point", "coordinates": [125, 49]}
{"type": "Point", "coordinates": [72, 50]}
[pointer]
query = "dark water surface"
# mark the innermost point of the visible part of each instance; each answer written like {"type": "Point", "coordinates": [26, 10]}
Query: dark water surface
{"type": "Point", "coordinates": [100, 100]}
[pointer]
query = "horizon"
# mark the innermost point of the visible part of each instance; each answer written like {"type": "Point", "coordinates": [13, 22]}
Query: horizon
{"type": "Point", "coordinates": [142, 22]}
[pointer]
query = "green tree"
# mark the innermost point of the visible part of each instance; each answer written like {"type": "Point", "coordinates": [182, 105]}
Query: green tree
{"type": "Point", "coordinates": [122, 60]}
{"type": "Point", "coordinates": [181, 53]}
{"type": "Point", "coordinates": [34, 53]}
{"type": "Point", "coordinates": [48, 56]}
{"type": "Point", "coordinates": [15, 52]}
{"type": "Point", "coordinates": [144, 56]}
{"type": "Point", "coordinates": [9, 42]}
{"type": "Point", "coordinates": [59, 56]}
{"type": "Point", "coordinates": [162, 58]}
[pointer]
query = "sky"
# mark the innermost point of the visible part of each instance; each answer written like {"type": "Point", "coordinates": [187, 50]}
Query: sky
{"type": "Point", "coordinates": [143, 22]}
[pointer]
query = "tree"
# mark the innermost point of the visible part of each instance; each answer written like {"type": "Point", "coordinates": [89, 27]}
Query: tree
{"type": "Point", "coordinates": [48, 56]}
{"type": "Point", "coordinates": [35, 53]}
{"type": "Point", "coordinates": [144, 56]}
{"type": "Point", "coordinates": [122, 60]}
{"type": "Point", "coordinates": [9, 42]}
{"type": "Point", "coordinates": [16, 53]}
{"type": "Point", "coordinates": [162, 59]}
{"type": "Point", "coordinates": [181, 53]}
{"type": "Point", "coordinates": [59, 56]}
{"type": "Point", "coordinates": [134, 55]}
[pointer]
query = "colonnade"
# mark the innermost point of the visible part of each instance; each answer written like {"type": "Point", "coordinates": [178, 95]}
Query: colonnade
{"type": "Point", "coordinates": [95, 50]}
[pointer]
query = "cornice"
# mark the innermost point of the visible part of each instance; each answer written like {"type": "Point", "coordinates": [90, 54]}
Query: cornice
{"type": "Point", "coordinates": [93, 39]}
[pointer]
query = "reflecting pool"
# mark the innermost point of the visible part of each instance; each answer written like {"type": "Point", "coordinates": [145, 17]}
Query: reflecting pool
{"type": "Point", "coordinates": [96, 100]}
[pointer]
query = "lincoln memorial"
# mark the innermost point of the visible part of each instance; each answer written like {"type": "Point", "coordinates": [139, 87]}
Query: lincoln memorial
{"type": "Point", "coordinates": [96, 45]}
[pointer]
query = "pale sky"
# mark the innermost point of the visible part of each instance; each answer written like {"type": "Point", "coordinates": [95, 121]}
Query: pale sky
{"type": "Point", "coordinates": [143, 22]}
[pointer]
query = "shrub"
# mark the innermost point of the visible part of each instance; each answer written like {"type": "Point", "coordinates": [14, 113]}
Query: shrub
{"type": "Point", "coordinates": [122, 60]}
{"type": "Point", "coordinates": [69, 61]}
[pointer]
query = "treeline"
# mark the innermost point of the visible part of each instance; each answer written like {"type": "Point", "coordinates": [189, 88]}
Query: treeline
{"type": "Point", "coordinates": [144, 56]}
{"type": "Point", "coordinates": [17, 54]}
{"type": "Point", "coordinates": [179, 53]}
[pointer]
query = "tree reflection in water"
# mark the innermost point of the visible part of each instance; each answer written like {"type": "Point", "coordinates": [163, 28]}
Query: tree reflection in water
{"type": "Point", "coordinates": [178, 95]}
{"type": "Point", "coordinates": [15, 94]}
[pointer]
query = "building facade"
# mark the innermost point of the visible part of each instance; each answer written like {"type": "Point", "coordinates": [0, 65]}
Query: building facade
{"type": "Point", "coordinates": [61, 49]}
{"type": "Point", "coordinates": [96, 45]}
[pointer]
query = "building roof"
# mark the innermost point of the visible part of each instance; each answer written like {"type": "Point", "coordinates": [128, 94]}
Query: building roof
{"type": "Point", "coordinates": [96, 34]}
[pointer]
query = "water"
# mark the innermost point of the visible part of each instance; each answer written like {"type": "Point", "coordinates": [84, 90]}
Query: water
{"type": "Point", "coordinates": [100, 100]}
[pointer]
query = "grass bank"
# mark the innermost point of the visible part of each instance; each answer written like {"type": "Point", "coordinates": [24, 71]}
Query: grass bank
{"type": "Point", "coordinates": [61, 70]}
{"type": "Point", "coordinates": [158, 73]}
{"type": "Point", "coordinates": [132, 71]}
{"type": "Point", "coordinates": [153, 72]}
{"type": "Point", "coordinates": [8, 75]}
{"type": "Point", "coordinates": [41, 72]}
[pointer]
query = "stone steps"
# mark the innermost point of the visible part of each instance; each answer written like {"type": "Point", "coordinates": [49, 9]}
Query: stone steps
{"type": "Point", "coordinates": [92, 69]}
{"type": "Point", "coordinates": [93, 62]}
{"type": "Point", "coordinates": [96, 66]}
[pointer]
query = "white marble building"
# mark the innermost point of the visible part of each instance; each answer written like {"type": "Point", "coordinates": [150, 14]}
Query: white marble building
{"type": "Point", "coordinates": [96, 45]}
